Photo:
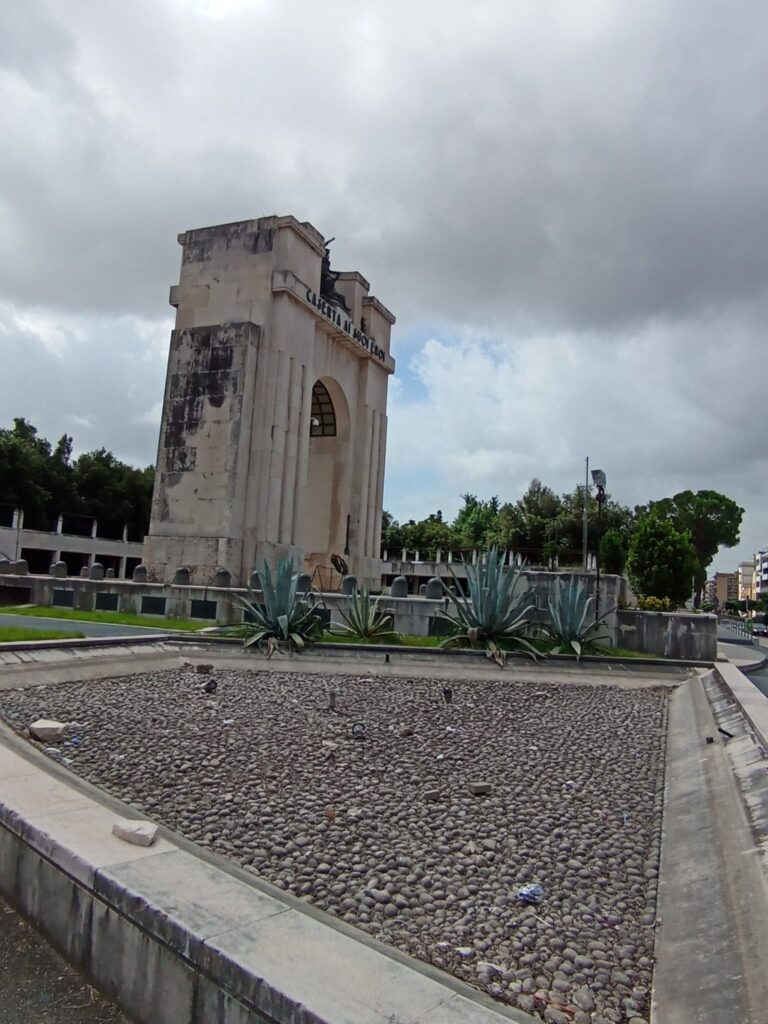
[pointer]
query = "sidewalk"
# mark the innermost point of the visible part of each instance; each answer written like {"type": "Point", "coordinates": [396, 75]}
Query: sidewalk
{"type": "Point", "coordinates": [743, 657]}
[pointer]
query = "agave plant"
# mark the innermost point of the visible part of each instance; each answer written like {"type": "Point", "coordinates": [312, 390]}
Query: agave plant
{"type": "Point", "coordinates": [362, 618]}
{"type": "Point", "coordinates": [494, 613]}
{"type": "Point", "coordinates": [286, 618]}
{"type": "Point", "coordinates": [572, 626]}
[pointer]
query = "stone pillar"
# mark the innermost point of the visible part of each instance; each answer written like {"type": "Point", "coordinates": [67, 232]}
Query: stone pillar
{"type": "Point", "coordinates": [291, 453]}
{"type": "Point", "coordinates": [60, 524]}
{"type": "Point", "coordinates": [94, 529]}
{"type": "Point", "coordinates": [18, 523]}
{"type": "Point", "coordinates": [123, 567]}
{"type": "Point", "coordinates": [372, 527]}
{"type": "Point", "coordinates": [276, 482]}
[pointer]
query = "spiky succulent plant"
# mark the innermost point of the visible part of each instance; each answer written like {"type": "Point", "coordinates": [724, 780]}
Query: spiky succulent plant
{"type": "Point", "coordinates": [494, 615]}
{"type": "Point", "coordinates": [362, 618]}
{"type": "Point", "coordinates": [285, 618]}
{"type": "Point", "coordinates": [572, 625]}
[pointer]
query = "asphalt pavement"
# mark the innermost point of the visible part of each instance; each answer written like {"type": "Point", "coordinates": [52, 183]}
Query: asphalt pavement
{"type": "Point", "coordinates": [75, 626]}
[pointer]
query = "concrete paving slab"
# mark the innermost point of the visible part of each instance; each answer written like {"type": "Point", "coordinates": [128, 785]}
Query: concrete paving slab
{"type": "Point", "coordinates": [13, 764]}
{"type": "Point", "coordinates": [183, 899]}
{"type": "Point", "coordinates": [32, 795]}
{"type": "Point", "coordinates": [348, 984]}
{"type": "Point", "coordinates": [80, 841]}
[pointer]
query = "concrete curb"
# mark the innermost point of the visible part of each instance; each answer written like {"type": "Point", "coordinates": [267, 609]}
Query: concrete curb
{"type": "Point", "coordinates": [753, 704]}
{"type": "Point", "coordinates": [712, 916]}
{"type": "Point", "coordinates": [174, 938]}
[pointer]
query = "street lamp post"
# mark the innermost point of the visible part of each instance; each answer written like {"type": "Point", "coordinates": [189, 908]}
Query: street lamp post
{"type": "Point", "coordinates": [598, 479]}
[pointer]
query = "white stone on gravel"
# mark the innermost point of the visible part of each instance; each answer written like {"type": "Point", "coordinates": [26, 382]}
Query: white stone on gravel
{"type": "Point", "coordinates": [47, 730]}
{"type": "Point", "coordinates": [139, 833]}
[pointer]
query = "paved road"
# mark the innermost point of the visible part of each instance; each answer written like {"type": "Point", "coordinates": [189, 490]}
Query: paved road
{"type": "Point", "coordinates": [760, 679]}
{"type": "Point", "coordinates": [36, 985]}
{"type": "Point", "coordinates": [87, 628]}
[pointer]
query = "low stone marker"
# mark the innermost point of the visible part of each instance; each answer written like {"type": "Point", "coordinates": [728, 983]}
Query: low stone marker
{"type": "Point", "coordinates": [223, 578]}
{"type": "Point", "coordinates": [140, 574]}
{"type": "Point", "coordinates": [139, 833]}
{"type": "Point", "coordinates": [399, 587]}
{"type": "Point", "coordinates": [97, 571]}
{"type": "Point", "coordinates": [349, 585]}
{"type": "Point", "coordinates": [433, 589]}
{"type": "Point", "coordinates": [47, 730]}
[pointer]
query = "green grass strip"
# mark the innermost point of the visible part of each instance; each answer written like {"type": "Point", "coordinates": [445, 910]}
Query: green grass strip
{"type": "Point", "coordinates": [116, 618]}
{"type": "Point", "coordinates": [11, 634]}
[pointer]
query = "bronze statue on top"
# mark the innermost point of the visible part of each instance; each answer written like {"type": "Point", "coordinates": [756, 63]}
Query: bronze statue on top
{"type": "Point", "coordinates": [328, 279]}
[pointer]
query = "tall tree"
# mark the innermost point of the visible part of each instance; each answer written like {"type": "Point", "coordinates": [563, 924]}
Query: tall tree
{"type": "Point", "coordinates": [474, 525]}
{"type": "Point", "coordinates": [661, 560]}
{"type": "Point", "coordinates": [116, 494]}
{"type": "Point", "coordinates": [712, 521]}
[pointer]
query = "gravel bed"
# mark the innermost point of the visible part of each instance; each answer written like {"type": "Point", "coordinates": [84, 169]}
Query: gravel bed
{"type": "Point", "coordinates": [384, 831]}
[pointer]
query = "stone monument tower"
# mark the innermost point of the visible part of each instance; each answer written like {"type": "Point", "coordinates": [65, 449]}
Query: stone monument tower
{"type": "Point", "coordinates": [274, 423]}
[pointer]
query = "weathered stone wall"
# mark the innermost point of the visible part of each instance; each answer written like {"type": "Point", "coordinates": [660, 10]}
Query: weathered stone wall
{"type": "Point", "coordinates": [668, 634]}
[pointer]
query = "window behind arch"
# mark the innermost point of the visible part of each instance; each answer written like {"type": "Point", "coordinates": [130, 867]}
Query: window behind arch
{"type": "Point", "coordinates": [323, 422]}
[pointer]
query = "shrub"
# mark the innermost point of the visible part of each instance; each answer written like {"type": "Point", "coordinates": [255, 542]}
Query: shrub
{"type": "Point", "coordinates": [613, 557]}
{"type": "Point", "coordinates": [661, 561]}
{"type": "Point", "coordinates": [655, 604]}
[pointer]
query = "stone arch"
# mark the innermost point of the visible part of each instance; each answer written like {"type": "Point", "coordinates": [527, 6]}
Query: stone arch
{"type": "Point", "coordinates": [327, 505]}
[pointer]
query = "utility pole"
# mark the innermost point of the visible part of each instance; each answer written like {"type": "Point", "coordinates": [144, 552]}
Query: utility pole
{"type": "Point", "coordinates": [586, 506]}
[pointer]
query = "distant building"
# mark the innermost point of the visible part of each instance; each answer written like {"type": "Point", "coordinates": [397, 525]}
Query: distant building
{"type": "Point", "coordinates": [724, 586]}
{"type": "Point", "coordinates": [761, 574]}
{"type": "Point", "coordinates": [746, 575]}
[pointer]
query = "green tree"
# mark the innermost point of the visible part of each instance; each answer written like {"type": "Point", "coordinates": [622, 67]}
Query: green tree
{"type": "Point", "coordinates": [712, 520]}
{"type": "Point", "coordinates": [661, 560]}
{"type": "Point", "coordinates": [612, 554]}
{"type": "Point", "coordinates": [26, 478]}
{"type": "Point", "coordinates": [532, 525]}
{"type": "Point", "coordinates": [114, 493]}
{"type": "Point", "coordinates": [475, 523]}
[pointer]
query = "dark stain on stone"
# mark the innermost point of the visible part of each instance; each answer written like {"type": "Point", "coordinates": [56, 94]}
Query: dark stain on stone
{"type": "Point", "coordinates": [197, 252]}
{"type": "Point", "coordinates": [261, 241]}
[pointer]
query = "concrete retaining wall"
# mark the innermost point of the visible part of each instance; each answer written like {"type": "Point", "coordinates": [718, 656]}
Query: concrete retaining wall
{"type": "Point", "coordinates": [413, 615]}
{"type": "Point", "coordinates": [668, 634]}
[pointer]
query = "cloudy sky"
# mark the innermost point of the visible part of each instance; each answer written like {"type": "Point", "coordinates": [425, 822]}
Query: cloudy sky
{"type": "Point", "coordinates": [564, 204]}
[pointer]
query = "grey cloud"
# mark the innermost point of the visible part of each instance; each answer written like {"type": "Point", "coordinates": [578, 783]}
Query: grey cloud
{"type": "Point", "coordinates": [562, 178]}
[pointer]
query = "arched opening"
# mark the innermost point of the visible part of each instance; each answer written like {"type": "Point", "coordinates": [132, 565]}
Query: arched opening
{"type": "Point", "coordinates": [323, 423]}
{"type": "Point", "coordinates": [326, 496]}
